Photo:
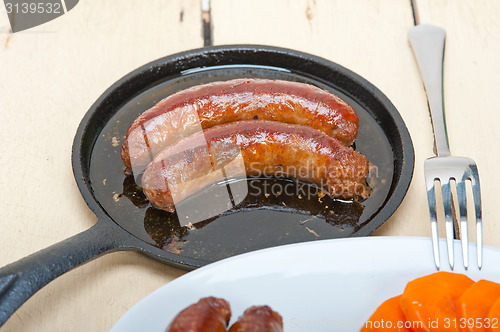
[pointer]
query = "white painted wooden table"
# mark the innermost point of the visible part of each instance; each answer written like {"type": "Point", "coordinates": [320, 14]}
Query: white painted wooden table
{"type": "Point", "coordinates": [51, 74]}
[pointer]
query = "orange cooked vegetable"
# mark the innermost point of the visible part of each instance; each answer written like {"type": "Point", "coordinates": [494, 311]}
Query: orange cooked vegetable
{"type": "Point", "coordinates": [475, 303]}
{"type": "Point", "coordinates": [494, 316]}
{"type": "Point", "coordinates": [431, 301]}
{"type": "Point", "coordinates": [388, 316]}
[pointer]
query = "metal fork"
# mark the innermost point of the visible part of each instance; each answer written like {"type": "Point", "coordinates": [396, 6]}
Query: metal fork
{"type": "Point", "coordinates": [428, 43]}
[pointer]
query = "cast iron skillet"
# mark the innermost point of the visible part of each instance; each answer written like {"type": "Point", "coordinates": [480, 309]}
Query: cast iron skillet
{"type": "Point", "coordinates": [127, 222]}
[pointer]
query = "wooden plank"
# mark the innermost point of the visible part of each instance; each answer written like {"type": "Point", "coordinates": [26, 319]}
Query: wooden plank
{"type": "Point", "coordinates": [366, 36]}
{"type": "Point", "coordinates": [50, 75]}
{"type": "Point", "coordinates": [471, 72]}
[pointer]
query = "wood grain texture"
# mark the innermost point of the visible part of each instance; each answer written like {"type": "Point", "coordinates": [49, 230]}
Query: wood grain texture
{"type": "Point", "coordinates": [51, 74]}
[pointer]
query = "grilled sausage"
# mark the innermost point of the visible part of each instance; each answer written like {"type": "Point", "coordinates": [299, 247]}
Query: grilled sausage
{"type": "Point", "coordinates": [258, 319]}
{"type": "Point", "coordinates": [210, 314]}
{"type": "Point", "coordinates": [254, 148]}
{"type": "Point", "coordinates": [205, 106]}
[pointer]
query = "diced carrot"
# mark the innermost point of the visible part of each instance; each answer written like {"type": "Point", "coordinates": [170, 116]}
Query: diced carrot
{"type": "Point", "coordinates": [388, 316]}
{"type": "Point", "coordinates": [494, 316]}
{"type": "Point", "coordinates": [431, 299]}
{"type": "Point", "coordinates": [475, 304]}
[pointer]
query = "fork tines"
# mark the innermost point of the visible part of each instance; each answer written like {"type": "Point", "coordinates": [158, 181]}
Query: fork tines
{"type": "Point", "coordinates": [445, 171]}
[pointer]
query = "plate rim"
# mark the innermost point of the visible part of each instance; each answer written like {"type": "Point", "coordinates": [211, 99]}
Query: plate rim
{"type": "Point", "coordinates": [419, 241]}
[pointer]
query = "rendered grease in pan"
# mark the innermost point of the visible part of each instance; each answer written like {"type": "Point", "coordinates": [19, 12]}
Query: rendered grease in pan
{"type": "Point", "coordinates": [264, 218]}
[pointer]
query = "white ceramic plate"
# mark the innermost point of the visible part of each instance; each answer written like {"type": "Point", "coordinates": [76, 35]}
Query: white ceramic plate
{"type": "Point", "coordinates": [315, 286]}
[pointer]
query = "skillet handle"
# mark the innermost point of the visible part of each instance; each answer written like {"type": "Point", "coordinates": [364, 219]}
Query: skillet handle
{"type": "Point", "coordinates": [21, 279]}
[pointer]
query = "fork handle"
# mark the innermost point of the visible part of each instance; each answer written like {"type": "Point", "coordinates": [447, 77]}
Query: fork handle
{"type": "Point", "coordinates": [427, 42]}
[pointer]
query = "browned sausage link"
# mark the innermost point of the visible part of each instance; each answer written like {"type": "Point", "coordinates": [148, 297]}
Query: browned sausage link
{"type": "Point", "coordinates": [210, 314]}
{"type": "Point", "coordinates": [254, 148]}
{"type": "Point", "coordinates": [205, 106]}
{"type": "Point", "coordinates": [258, 319]}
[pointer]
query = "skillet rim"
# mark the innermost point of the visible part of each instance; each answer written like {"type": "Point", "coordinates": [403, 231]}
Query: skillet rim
{"type": "Point", "coordinates": [83, 144]}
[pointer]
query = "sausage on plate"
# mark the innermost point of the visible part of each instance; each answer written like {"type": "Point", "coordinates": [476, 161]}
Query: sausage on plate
{"type": "Point", "coordinates": [204, 106]}
{"type": "Point", "coordinates": [253, 148]}
{"type": "Point", "coordinates": [210, 314]}
{"type": "Point", "coordinates": [258, 319]}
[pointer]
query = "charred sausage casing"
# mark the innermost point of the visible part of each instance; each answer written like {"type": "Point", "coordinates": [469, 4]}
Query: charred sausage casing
{"type": "Point", "coordinates": [208, 105]}
{"type": "Point", "coordinates": [210, 314]}
{"type": "Point", "coordinates": [262, 148]}
{"type": "Point", "coordinates": [258, 319]}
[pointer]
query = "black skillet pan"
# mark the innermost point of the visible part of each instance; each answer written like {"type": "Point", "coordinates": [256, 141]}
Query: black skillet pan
{"type": "Point", "coordinates": [127, 222]}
